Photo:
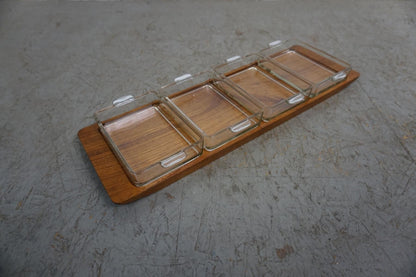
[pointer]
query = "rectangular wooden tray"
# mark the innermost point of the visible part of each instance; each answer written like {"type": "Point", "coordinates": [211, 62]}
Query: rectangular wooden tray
{"type": "Point", "coordinates": [122, 191]}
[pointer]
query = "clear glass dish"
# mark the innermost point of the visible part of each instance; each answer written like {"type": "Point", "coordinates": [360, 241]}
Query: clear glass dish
{"type": "Point", "coordinates": [313, 66]}
{"type": "Point", "coordinates": [206, 102]}
{"type": "Point", "coordinates": [148, 140]}
{"type": "Point", "coordinates": [253, 76]}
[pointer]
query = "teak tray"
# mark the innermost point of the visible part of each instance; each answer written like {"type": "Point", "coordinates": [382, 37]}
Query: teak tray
{"type": "Point", "coordinates": [122, 191]}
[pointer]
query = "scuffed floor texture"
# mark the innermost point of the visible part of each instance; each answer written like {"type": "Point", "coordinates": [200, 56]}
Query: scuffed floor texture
{"type": "Point", "coordinates": [331, 192]}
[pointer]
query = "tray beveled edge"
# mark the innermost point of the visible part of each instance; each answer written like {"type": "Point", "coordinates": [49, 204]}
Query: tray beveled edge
{"type": "Point", "coordinates": [122, 191]}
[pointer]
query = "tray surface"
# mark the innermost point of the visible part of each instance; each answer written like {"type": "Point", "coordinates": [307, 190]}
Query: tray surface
{"type": "Point", "coordinates": [121, 190]}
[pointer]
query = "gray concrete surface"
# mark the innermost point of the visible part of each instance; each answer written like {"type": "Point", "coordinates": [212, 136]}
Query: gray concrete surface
{"type": "Point", "coordinates": [329, 193]}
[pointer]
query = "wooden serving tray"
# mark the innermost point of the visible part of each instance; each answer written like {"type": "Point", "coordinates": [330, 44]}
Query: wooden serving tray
{"type": "Point", "coordinates": [122, 191]}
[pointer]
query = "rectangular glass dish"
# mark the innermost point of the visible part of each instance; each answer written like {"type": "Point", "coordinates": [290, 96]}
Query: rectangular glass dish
{"type": "Point", "coordinates": [313, 66]}
{"type": "Point", "coordinates": [142, 144]}
{"type": "Point", "coordinates": [149, 141]}
{"type": "Point", "coordinates": [206, 102]}
{"type": "Point", "coordinates": [253, 76]}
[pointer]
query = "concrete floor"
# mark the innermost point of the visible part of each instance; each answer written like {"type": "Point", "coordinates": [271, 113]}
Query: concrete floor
{"type": "Point", "coordinates": [330, 192]}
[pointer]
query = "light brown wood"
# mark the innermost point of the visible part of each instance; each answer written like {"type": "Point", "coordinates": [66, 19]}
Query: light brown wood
{"type": "Point", "coordinates": [122, 191]}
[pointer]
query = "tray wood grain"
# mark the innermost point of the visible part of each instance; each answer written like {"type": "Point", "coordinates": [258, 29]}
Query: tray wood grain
{"type": "Point", "coordinates": [122, 191]}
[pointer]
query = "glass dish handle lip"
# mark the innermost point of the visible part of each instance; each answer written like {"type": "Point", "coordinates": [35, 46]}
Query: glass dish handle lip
{"type": "Point", "coordinates": [240, 126]}
{"type": "Point", "coordinates": [296, 99]}
{"type": "Point", "coordinates": [172, 160]}
{"type": "Point", "coordinates": [275, 43]}
{"type": "Point", "coordinates": [182, 77]}
{"type": "Point", "coordinates": [233, 58]}
{"type": "Point", "coordinates": [123, 100]}
{"type": "Point", "coordinates": [339, 76]}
